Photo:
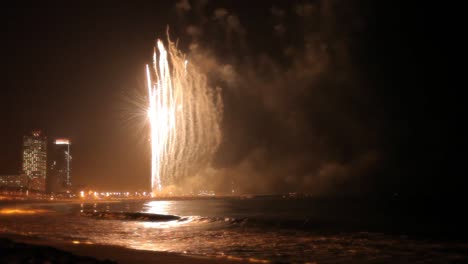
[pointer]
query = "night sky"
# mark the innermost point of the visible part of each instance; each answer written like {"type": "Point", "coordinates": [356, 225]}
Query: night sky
{"type": "Point", "coordinates": [326, 97]}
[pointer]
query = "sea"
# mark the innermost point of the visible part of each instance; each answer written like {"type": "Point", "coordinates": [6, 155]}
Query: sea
{"type": "Point", "coordinates": [265, 229]}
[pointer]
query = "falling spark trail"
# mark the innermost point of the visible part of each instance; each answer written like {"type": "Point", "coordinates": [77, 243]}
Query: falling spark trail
{"type": "Point", "coordinates": [184, 115]}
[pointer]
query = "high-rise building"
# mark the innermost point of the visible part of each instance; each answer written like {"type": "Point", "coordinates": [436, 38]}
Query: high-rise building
{"type": "Point", "coordinates": [59, 175]}
{"type": "Point", "coordinates": [35, 159]}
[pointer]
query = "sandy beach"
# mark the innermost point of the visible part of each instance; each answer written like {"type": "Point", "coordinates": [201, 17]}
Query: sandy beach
{"type": "Point", "coordinates": [22, 249]}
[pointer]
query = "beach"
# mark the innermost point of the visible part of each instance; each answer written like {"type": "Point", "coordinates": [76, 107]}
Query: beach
{"type": "Point", "coordinates": [22, 249]}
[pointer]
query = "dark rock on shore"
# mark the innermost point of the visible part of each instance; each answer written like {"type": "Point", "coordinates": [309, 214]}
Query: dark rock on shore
{"type": "Point", "coordinates": [131, 216]}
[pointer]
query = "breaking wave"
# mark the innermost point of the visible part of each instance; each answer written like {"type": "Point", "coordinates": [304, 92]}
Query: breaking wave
{"type": "Point", "coordinates": [225, 222]}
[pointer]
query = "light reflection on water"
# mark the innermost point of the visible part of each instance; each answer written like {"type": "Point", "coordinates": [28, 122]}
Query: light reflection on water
{"type": "Point", "coordinates": [163, 208]}
{"type": "Point", "coordinates": [167, 224]}
{"type": "Point", "coordinates": [158, 207]}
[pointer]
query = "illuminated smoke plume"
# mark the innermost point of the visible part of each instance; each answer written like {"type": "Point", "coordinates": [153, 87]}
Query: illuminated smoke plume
{"type": "Point", "coordinates": [184, 114]}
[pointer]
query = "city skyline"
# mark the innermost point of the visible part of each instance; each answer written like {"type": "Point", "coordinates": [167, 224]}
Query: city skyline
{"type": "Point", "coordinates": [45, 165]}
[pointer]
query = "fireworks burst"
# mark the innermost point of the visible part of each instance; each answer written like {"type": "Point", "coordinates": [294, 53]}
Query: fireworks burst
{"type": "Point", "coordinates": [184, 114]}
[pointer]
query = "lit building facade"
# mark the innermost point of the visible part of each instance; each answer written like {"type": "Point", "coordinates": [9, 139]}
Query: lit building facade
{"type": "Point", "coordinates": [59, 174]}
{"type": "Point", "coordinates": [35, 160]}
{"type": "Point", "coordinates": [14, 181]}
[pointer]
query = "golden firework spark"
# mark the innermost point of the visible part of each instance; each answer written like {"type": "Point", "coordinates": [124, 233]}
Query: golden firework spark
{"type": "Point", "coordinates": [184, 114]}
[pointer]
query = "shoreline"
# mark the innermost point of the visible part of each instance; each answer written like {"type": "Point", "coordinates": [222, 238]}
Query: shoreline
{"type": "Point", "coordinates": [20, 246]}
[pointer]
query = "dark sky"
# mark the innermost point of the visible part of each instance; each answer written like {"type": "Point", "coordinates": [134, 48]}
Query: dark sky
{"type": "Point", "coordinates": [320, 96]}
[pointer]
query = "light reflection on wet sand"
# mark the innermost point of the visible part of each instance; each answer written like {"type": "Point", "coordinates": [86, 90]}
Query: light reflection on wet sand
{"type": "Point", "coordinates": [12, 211]}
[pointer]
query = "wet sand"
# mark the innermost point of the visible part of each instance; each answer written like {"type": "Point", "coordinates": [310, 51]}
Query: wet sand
{"type": "Point", "coordinates": [22, 249]}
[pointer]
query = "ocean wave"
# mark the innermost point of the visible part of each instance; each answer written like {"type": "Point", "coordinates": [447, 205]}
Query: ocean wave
{"type": "Point", "coordinates": [224, 222]}
{"type": "Point", "coordinates": [273, 223]}
{"type": "Point", "coordinates": [316, 226]}
{"type": "Point", "coordinates": [307, 224]}
{"type": "Point", "coordinates": [131, 216]}
{"type": "Point", "coordinates": [215, 221]}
